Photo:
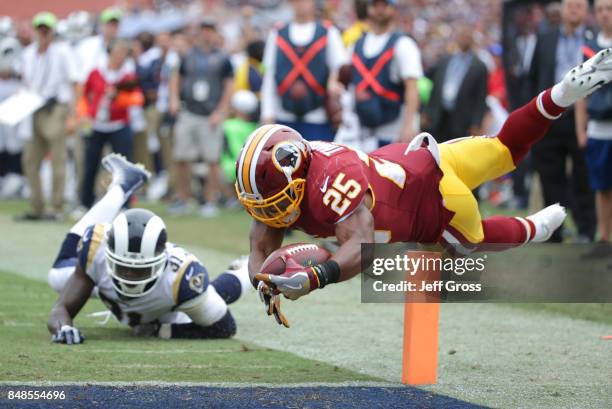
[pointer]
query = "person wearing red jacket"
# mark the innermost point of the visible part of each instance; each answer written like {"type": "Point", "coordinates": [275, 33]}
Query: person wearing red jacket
{"type": "Point", "coordinates": [108, 93]}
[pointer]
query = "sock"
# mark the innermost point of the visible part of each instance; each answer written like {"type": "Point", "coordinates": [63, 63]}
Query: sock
{"type": "Point", "coordinates": [528, 124]}
{"type": "Point", "coordinates": [104, 211]}
{"type": "Point", "coordinates": [510, 231]}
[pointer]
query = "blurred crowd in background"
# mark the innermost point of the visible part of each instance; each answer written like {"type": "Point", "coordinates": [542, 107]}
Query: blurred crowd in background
{"type": "Point", "coordinates": [178, 85]}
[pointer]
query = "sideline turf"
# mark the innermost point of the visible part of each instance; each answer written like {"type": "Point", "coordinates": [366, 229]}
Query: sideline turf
{"type": "Point", "coordinates": [112, 353]}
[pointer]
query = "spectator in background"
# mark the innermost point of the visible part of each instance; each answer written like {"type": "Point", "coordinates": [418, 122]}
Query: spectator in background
{"type": "Point", "coordinates": [249, 77]}
{"type": "Point", "coordinates": [386, 67]}
{"type": "Point", "coordinates": [359, 27]}
{"type": "Point", "coordinates": [553, 15]}
{"type": "Point", "coordinates": [594, 130]}
{"type": "Point", "coordinates": [557, 51]}
{"type": "Point", "coordinates": [24, 33]}
{"type": "Point", "coordinates": [518, 58]}
{"type": "Point", "coordinates": [204, 85]}
{"type": "Point", "coordinates": [236, 130]}
{"type": "Point", "coordinates": [93, 51]}
{"type": "Point", "coordinates": [458, 99]}
{"type": "Point", "coordinates": [302, 60]}
{"type": "Point", "coordinates": [11, 141]}
{"type": "Point", "coordinates": [49, 70]}
{"type": "Point", "coordinates": [148, 65]}
{"type": "Point", "coordinates": [109, 92]}
{"type": "Point", "coordinates": [164, 122]}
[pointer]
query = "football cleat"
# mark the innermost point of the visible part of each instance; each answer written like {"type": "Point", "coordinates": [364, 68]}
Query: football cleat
{"type": "Point", "coordinates": [130, 176]}
{"type": "Point", "coordinates": [584, 79]}
{"type": "Point", "coordinates": [546, 221]}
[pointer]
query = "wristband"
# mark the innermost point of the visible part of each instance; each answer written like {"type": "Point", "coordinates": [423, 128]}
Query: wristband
{"type": "Point", "coordinates": [327, 273]}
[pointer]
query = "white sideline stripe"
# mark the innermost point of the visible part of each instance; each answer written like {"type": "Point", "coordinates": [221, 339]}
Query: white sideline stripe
{"type": "Point", "coordinates": [208, 384]}
{"type": "Point", "coordinates": [18, 324]}
{"type": "Point", "coordinates": [156, 351]}
{"type": "Point", "coordinates": [186, 366]}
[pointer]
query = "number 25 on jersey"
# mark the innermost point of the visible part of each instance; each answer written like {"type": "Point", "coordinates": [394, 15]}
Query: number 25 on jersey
{"type": "Point", "coordinates": [340, 194]}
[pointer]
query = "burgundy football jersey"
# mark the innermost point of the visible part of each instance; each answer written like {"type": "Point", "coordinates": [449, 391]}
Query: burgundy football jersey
{"type": "Point", "coordinates": [407, 204]}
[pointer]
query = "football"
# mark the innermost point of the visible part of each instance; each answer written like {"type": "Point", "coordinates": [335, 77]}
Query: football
{"type": "Point", "coordinates": [302, 254]}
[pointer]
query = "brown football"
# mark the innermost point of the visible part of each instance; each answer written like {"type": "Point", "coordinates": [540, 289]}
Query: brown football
{"type": "Point", "coordinates": [302, 254]}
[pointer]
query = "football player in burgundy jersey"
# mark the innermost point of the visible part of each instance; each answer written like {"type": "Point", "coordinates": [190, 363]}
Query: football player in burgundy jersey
{"type": "Point", "coordinates": [417, 192]}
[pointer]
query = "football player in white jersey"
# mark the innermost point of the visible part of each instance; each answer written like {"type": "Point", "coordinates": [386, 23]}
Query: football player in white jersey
{"type": "Point", "coordinates": [152, 285]}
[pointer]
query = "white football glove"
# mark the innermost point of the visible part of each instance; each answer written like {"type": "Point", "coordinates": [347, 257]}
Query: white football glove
{"type": "Point", "coordinates": [68, 335]}
{"type": "Point", "coordinates": [584, 79]}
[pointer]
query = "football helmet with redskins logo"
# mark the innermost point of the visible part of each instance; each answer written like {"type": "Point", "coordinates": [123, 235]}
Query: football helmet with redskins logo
{"type": "Point", "coordinates": [270, 174]}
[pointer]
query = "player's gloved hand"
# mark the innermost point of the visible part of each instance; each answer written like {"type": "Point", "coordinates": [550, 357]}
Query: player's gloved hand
{"type": "Point", "coordinates": [270, 297]}
{"type": "Point", "coordinates": [293, 283]}
{"type": "Point", "coordinates": [68, 335]}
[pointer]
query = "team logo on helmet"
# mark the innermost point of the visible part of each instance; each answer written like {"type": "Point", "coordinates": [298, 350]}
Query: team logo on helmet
{"type": "Point", "coordinates": [287, 157]}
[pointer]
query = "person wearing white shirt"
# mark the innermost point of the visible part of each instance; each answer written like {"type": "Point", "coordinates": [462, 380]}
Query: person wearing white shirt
{"type": "Point", "coordinates": [49, 70]}
{"type": "Point", "coordinates": [386, 65]}
{"type": "Point", "coordinates": [302, 60]}
{"type": "Point", "coordinates": [93, 50]}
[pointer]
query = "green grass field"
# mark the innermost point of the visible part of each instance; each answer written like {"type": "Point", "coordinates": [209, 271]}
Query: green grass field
{"type": "Point", "coordinates": [509, 355]}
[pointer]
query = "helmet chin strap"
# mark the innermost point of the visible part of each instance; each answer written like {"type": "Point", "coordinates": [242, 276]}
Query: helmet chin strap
{"type": "Point", "coordinates": [287, 172]}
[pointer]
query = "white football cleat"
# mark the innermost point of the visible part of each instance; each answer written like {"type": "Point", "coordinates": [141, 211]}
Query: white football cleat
{"type": "Point", "coordinates": [546, 221]}
{"type": "Point", "coordinates": [584, 79]}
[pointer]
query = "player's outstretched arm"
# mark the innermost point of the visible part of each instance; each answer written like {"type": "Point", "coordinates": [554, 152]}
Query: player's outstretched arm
{"type": "Point", "coordinates": [351, 232]}
{"type": "Point", "coordinates": [71, 300]}
{"type": "Point", "coordinates": [263, 240]}
{"type": "Point", "coordinates": [298, 280]}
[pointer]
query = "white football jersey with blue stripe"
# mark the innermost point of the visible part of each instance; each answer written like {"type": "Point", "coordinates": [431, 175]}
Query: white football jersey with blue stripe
{"type": "Point", "coordinates": [183, 283]}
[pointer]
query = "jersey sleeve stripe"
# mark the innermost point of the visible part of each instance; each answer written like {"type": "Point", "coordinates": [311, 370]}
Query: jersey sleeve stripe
{"type": "Point", "coordinates": [179, 277]}
{"type": "Point", "coordinates": [96, 240]}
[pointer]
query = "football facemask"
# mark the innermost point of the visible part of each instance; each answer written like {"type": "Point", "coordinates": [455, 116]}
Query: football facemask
{"type": "Point", "coordinates": [134, 277]}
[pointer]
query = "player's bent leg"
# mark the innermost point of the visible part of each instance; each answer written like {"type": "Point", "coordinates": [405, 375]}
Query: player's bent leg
{"type": "Point", "coordinates": [206, 316]}
{"type": "Point", "coordinates": [127, 178]}
{"type": "Point", "coordinates": [225, 327]}
{"type": "Point", "coordinates": [466, 225]}
{"type": "Point", "coordinates": [528, 124]}
{"type": "Point", "coordinates": [476, 159]}
{"type": "Point", "coordinates": [502, 232]}
{"type": "Point", "coordinates": [234, 281]}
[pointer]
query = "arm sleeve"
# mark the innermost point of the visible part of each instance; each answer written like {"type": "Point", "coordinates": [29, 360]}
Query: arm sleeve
{"type": "Point", "coordinates": [268, 91]}
{"type": "Point", "coordinates": [89, 247]}
{"type": "Point", "coordinates": [190, 282]}
{"type": "Point", "coordinates": [206, 308]}
{"type": "Point", "coordinates": [408, 58]}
